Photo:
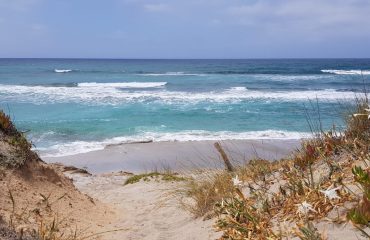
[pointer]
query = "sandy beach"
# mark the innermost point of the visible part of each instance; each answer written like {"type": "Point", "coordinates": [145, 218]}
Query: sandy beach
{"type": "Point", "coordinates": [153, 209]}
{"type": "Point", "coordinates": [185, 120]}
{"type": "Point", "coordinates": [177, 156]}
{"type": "Point", "coordinates": [145, 210]}
{"type": "Point", "coordinates": [128, 194]}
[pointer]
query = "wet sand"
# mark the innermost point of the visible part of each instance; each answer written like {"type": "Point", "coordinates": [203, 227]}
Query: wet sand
{"type": "Point", "coordinates": [178, 156]}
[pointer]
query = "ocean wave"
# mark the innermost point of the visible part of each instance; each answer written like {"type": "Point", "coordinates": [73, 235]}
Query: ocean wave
{"type": "Point", "coordinates": [63, 70]}
{"type": "Point", "coordinates": [290, 78]}
{"type": "Point", "coordinates": [103, 95]}
{"type": "Point", "coordinates": [233, 72]}
{"type": "Point", "coordinates": [238, 89]}
{"type": "Point", "coordinates": [71, 84]}
{"type": "Point", "coordinates": [171, 74]}
{"type": "Point", "coordinates": [347, 72]}
{"type": "Point", "coordinates": [77, 147]}
{"type": "Point", "coordinates": [123, 85]}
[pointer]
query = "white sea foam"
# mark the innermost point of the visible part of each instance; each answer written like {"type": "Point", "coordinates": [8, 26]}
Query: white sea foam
{"type": "Point", "coordinates": [238, 89]}
{"type": "Point", "coordinates": [68, 149]}
{"type": "Point", "coordinates": [347, 72]}
{"type": "Point", "coordinates": [171, 74]}
{"type": "Point", "coordinates": [289, 78]}
{"type": "Point", "coordinates": [123, 85]}
{"type": "Point", "coordinates": [109, 95]}
{"type": "Point", "coordinates": [62, 70]}
{"type": "Point", "coordinates": [76, 147]}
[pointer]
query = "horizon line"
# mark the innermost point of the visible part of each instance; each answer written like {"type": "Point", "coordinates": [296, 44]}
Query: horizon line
{"type": "Point", "coordinates": [103, 58]}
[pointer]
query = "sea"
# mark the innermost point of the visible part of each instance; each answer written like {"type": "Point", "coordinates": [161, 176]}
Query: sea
{"type": "Point", "coordinates": [70, 106]}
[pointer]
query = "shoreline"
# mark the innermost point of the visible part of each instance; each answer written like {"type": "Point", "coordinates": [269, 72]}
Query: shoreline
{"type": "Point", "coordinates": [63, 149]}
{"type": "Point", "coordinates": [175, 155]}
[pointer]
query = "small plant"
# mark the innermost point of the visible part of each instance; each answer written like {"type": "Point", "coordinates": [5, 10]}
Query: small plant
{"type": "Point", "coordinates": [51, 231]}
{"type": "Point", "coordinates": [206, 191]}
{"type": "Point", "coordinates": [238, 220]}
{"type": "Point", "coordinates": [257, 169]}
{"type": "Point", "coordinates": [356, 216]}
{"type": "Point", "coordinates": [361, 213]}
{"type": "Point", "coordinates": [20, 149]}
{"type": "Point", "coordinates": [305, 159]}
{"type": "Point", "coordinates": [309, 232]}
{"type": "Point", "coordinates": [241, 218]}
{"type": "Point", "coordinates": [358, 124]}
{"type": "Point", "coordinates": [169, 177]}
{"type": "Point", "coordinates": [363, 178]}
{"type": "Point", "coordinates": [6, 124]}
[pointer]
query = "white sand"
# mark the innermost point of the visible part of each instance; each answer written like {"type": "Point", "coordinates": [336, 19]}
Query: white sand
{"type": "Point", "coordinates": [150, 210]}
{"type": "Point", "coordinates": [146, 210]}
{"type": "Point", "coordinates": [141, 157]}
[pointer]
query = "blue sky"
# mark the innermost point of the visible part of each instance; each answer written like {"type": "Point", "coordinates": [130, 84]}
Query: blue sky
{"type": "Point", "coordinates": [185, 29]}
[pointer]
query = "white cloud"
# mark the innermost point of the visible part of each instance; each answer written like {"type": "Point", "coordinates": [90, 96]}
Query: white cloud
{"type": "Point", "coordinates": [304, 16]}
{"type": "Point", "coordinates": [157, 7]}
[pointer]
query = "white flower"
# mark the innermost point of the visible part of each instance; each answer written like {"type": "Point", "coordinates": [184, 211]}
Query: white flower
{"type": "Point", "coordinates": [331, 193]}
{"type": "Point", "coordinates": [236, 181]}
{"type": "Point", "coordinates": [304, 208]}
{"type": "Point", "coordinates": [222, 203]}
{"type": "Point", "coordinates": [362, 114]}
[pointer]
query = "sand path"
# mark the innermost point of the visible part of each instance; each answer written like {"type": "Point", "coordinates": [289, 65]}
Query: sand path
{"type": "Point", "coordinates": [146, 210]}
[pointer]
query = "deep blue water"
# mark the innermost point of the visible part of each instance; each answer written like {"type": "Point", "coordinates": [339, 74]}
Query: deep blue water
{"type": "Point", "coordinates": [77, 105]}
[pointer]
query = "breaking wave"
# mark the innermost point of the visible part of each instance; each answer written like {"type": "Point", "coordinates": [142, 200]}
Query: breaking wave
{"type": "Point", "coordinates": [123, 85]}
{"type": "Point", "coordinates": [171, 74]}
{"type": "Point", "coordinates": [346, 72]}
{"type": "Point", "coordinates": [114, 94]}
{"type": "Point", "coordinates": [63, 70]}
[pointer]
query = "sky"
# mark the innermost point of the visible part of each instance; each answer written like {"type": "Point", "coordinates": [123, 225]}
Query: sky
{"type": "Point", "coordinates": [185, 28]}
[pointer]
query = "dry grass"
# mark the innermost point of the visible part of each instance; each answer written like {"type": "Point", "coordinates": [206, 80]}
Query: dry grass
{"type": "Point", "coordinates": [166, 176]}
{"type": "Point", "coordinates": [6, 124]}
{"type": "Point", "coordinates": [207, 189]}
{"type": "Point", "coordinates": [320, 178]}
{"type": "Point", "coordinates": [32, 194]}
{"type": "Point", "coordinates": [10, 136]}
{"type": "Point", "coordinates": [51, 231]}
{"type": "Point", "coordinates": [309, 232]}
{"type": "Point", "coordinates": [49, 225]}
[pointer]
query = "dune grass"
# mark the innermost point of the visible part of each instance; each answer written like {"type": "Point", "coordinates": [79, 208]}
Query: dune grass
{"type": "Point", "coordinates": [328, 171]}
{"type": "Point", "coordinates": [166, 176]}
{"type": "Point", "coordinates": [205, 191]}
{"type": "Point", "coordinates": [21, 148]}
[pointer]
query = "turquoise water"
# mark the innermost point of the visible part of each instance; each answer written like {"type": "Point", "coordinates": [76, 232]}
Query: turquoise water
{"type": "Point", "coordinates": [78, 105]}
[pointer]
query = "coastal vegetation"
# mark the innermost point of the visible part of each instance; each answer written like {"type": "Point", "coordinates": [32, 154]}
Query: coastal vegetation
{"type": "Point", "coordinates": [157, 176]}
{"type": "Point", "coordinates": [17, 155]}
{"type": "Point", "coordinates": [37, 202]}
{"type": "Point", "coordinates": [326, 181]}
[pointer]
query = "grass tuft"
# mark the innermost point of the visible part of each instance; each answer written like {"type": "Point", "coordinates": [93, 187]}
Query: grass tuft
{"type": "Point", "coordinates": [204, 192]}
{"type": "Point", "coordinates": [168, 177]}
{"type": "Point", "coordinates": [19, 150]}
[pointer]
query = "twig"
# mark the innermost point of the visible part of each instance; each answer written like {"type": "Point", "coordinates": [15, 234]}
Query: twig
{"type": "Point", "coordinates": [227, 162]}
